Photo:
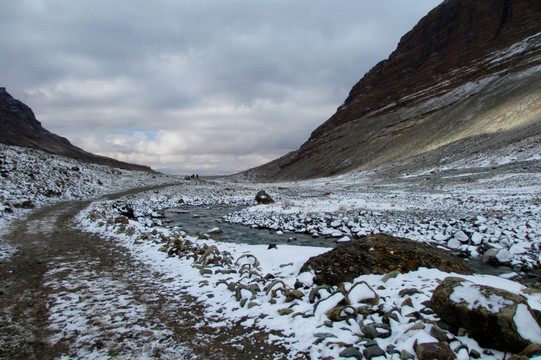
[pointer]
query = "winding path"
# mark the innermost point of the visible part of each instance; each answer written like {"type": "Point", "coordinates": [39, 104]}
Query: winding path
{"type": "Point", "coordinates": [69, 294]}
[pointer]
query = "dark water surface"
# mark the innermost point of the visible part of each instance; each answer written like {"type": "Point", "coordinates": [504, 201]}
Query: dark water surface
{"type": "Point", "coordinates": [200, 219]}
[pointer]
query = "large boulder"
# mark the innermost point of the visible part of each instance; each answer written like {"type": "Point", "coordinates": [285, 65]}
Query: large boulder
{"type": "Point", "coordinates": [263, 198]}
{"type": "Point", "coordinates": [494, 317]}
{"type": "Point", "coordinates": [380, 254]}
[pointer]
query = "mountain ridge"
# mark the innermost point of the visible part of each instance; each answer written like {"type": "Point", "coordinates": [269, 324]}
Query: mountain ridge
{"type": "Point", "coordinates": [460, 48]}
{"type": "Point", "coordinates": [19, 127]}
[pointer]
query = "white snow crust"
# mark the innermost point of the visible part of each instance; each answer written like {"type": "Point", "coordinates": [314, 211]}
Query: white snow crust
{"type": "Point", "coordinates": [502, 212]}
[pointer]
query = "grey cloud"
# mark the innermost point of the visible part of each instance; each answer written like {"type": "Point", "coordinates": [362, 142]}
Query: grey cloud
{"type": "Point", "coordinates": [235, 82]}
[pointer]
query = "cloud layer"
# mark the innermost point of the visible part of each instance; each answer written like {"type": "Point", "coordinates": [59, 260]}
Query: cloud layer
{"type": "Point", "coordinates": [193, 86]}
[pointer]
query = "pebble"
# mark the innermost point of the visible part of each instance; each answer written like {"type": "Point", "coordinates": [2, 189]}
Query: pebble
{"type": "Point", "coordinates": [373, 351]}
{"type": "Point", "coordinates": [454, 244]}
{"type": "Point", "coordinates": [477, 238]}
{"type": "Point", "coordinates": [351, 352]}
{"type": "Point", "coordinates": [374, 331]}
{"type": "Point", "coordinates": [504, 256]}
{"type": "Point", "coordinates": [462, 237]}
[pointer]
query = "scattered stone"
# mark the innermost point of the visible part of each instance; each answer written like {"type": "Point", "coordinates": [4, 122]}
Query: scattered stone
{"type": "Point", "coordinates": [391, 275]}
{"type": "Point", "coordinates": [263, 198]}
{"type": "Point", "coordinates": [293, 295]}
{"type": "Point", "coordinates": [324, 335]}
{"type": "Point", "coordinates": [417, 326]}
{"type": "Point", "coordinates": [440, 237]}
{"type": "Point", "coordinates": [226, 271]}
{"type": "Point", "coordinates": [215, 230]}
{"type": "Point", "coordinates": [407, 302]}
{"type": "Point", "coordinates": [373, 351]}
{"type": "Point", "coordinates": [343, 239]}
{"type": "Point", "coordinates": [261, 336]}
{"type": "Point", "coordinates": [477, 238]}
{"type": "Point", "coordinates": [517, 357]}
{"type": "Point", "coordinates": [341, 313]}
{"type": "Point", "coordinates": [252, 304]}
{"type": "Point", "coordinates": [474, 354]}
{"type": "Point", "coordinates": [460, 347]}
{"type": "Point", "coordinates": [350, 352]}
{"type": "Point", "coordinates": [462, 237]}
{"type": "Point", "coordinates": [504, 256]}
{"type": "Point", "coordinates": [404, 355]}
{"type": "Point", "coordinates": [497, 257]}
{"type": "Point", "coordinates": [531, 350]}
{"type": "Point", "coordinates": [285, 311]}
{"type": "Point", "coordinates": [374, 331]}
{"type": "Point", "coordinates": [379, 254]}
{"type": "Point", "coordinates": [434, 351]}
{"type": "Point", "coordinates": [438, 333]}
{"type": "Point", "coordinates": [272, 246]}
{"type": "Point", "coordinates": [390, 315]}
{"type": "Point", "coordinates": [328, 323]}
{"type": "Point", "coordinates": [408, 292]}
{"type": "Point", "coordinates": [122, 220]}
{"type": "Point", "coordinates": [206, 272]}
{"type": "Point", "coordinates": [494, 317]}
{"type": "Point", "coordinates": [391, 349]}
{"type": "Point", "coordinates": [454, 244]}
{"type": "Point", "coordinates": [366, 310]}
{"type": "Point", "coordinates": [367, 342]}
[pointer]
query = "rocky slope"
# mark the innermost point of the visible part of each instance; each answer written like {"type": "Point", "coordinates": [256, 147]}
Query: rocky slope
{"type": "Point", "coordinates": [465, 80]}
{"type": "Point", "coordinates": [18, 126]}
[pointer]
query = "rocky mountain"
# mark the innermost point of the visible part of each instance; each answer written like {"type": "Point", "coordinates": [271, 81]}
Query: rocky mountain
{"type": "Point", "coordinates": [18, 126]}
{"type": "Point", "coordinates": [466, 80]}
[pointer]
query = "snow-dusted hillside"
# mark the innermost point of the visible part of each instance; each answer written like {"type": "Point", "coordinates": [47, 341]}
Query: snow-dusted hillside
{"type": "Point", "coordinates": [30, 179]}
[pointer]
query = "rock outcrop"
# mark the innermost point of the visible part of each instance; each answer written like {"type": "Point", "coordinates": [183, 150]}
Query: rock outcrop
{"type": "Point", "coordinates": [19, 127]}
{"type": "Point", "coordinates": [494, 317]}
{"type": "Point", "coordinates": [262, 198]}
{"type": "Point", "coordinates": [379, 254]}
{"type": "Point", "coordinates": [464, 80]}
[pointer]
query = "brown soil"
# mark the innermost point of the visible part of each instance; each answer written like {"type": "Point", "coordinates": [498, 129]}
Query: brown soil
{"type": "Point", "coordinates": [73, 294]}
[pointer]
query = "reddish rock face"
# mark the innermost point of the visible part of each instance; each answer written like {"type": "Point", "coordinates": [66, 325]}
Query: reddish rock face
{"type": "Point", "coordinates": [450, 44]}
{"type": "Point", "coordinates": [394, 112]}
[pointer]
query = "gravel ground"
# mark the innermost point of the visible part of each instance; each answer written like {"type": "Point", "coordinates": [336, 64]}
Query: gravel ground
{"type": "Point", "coordinates": [69, 294]}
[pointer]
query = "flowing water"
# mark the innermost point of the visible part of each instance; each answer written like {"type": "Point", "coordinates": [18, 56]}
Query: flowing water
{"type": "Point", "coordinates": [200, 219]}
{"type": "Point", "coordinates": [196, 220]}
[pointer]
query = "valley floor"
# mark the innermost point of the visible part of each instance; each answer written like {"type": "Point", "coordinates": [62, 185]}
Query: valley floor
{"type": "Point", "coordinates": [110, 278]}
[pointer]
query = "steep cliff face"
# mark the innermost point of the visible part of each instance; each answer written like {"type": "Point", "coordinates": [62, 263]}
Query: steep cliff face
{"type": "Point", "coordinates": [19, 126]}
{"type": "Point", "coordinates": [483, 53]}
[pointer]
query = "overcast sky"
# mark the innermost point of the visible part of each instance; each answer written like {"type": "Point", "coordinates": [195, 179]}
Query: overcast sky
{"type": "Point", "coordinates": [201, 86]}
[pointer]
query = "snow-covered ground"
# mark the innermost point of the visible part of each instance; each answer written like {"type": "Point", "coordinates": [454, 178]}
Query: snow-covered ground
{"type": "Point", "coordinates": [263, 286]}
{"type": "Point", "coordinates": [31, 179]}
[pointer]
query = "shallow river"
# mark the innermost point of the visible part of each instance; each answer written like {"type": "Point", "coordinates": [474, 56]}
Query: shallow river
{"type": "Point", "coordinates": [200, 219]}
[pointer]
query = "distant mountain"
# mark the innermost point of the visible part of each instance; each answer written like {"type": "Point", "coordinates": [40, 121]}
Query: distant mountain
{"type": "Point", "coordinates": [18, 126]}
{"type": "Point", "coordinates": [465, 80]}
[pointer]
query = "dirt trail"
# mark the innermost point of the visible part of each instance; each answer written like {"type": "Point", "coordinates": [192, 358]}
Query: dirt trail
{"type": "Point", "coordinates": [69, 294]}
